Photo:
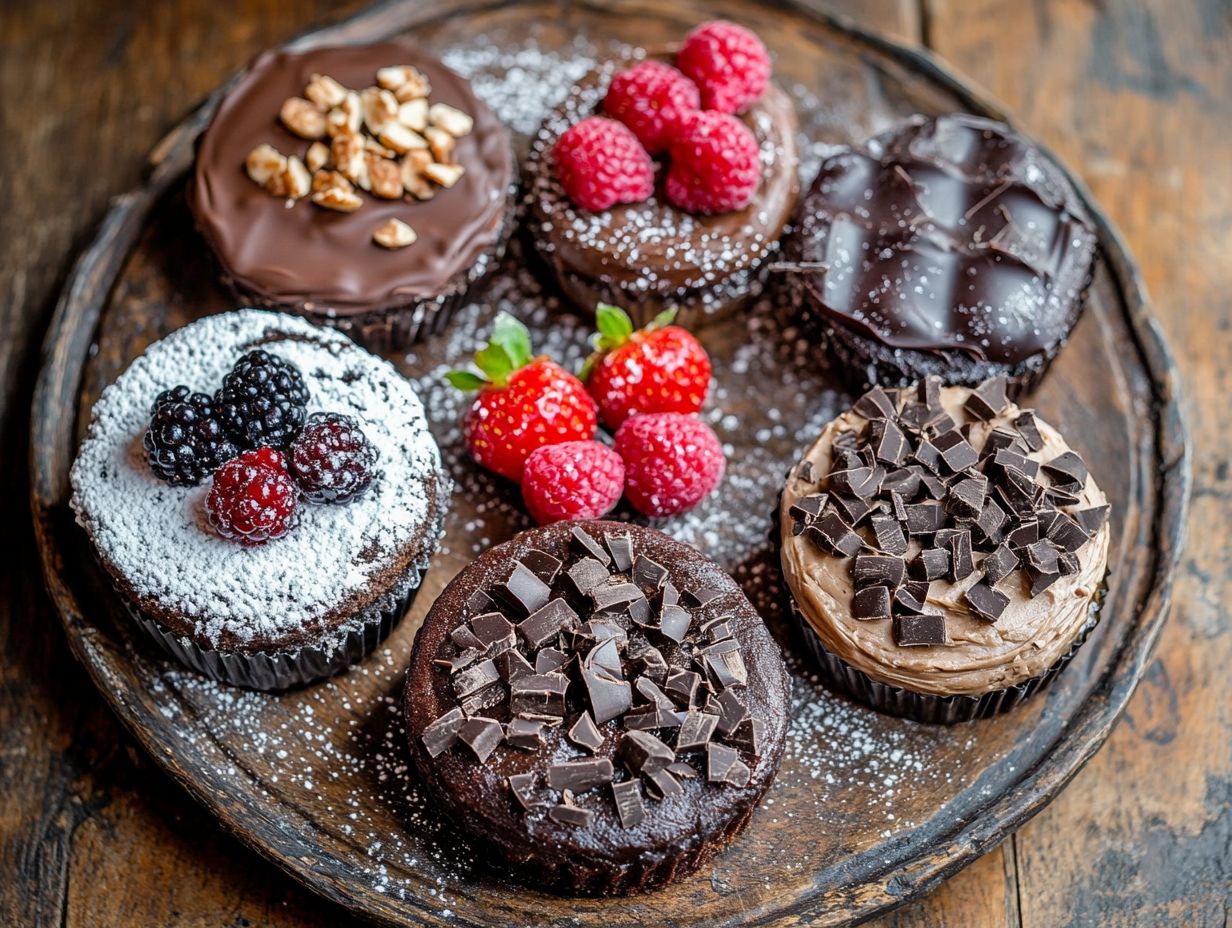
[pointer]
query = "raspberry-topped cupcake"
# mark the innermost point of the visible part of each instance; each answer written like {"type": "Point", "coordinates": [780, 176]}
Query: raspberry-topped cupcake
{"type": "Point", "coordinates": [264, 494]}
{"type": "Point", "coordinates": [667, 182]}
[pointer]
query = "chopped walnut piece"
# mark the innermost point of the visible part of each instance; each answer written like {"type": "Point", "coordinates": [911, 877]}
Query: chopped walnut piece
{"type": "Point", "coordinates": [263, 162]}
{"type": "Point", "coordinates": [394, 233]}
{"type": "Point", "coordinates": [441, 144]}
{"type": "Point", "coordinates": [400, 138]}
{"type": "Point", "coordinates": [414, 114]}
{"type": "Point", "coordinates": [372, 145]}
{"type": "Point", "coordinates": [413, 179]}
{"type": "Point", "coordinates": [317, 156]}
{"type": "Point", "coordinates": [302, 118]}
{"type": "Point", "coordinates": [380, 109]}
{"type": "Point", "coordinates": [347, 117]}
{"type": "Point", "coordinates": [348, 153]}
{"type": "Point", "coordinates": [325, 92]}
{"type": "Point", "coordinates": [322, 180]}
{"type": "Point", "coordinates": [444, 174]}
{"type": "Point", "coordinates": [403, 75]}
{"type": "Point", "coordinates": [451, 119]}
{"type": "Point", "coordinates": [296, 179]}
{"type": "Point", "coordinates": [338, 199]}
{"type": "Point", "coordinates": [385, 176]}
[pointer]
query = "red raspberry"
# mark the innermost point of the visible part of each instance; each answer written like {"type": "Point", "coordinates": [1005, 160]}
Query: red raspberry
{"type": "Point", "coordinates": [573, 480]}
{"type": "Point", "coordinates": [252, 497]}
{"type": "Point", "coordinates": [650, 98]}
{"type": "Point", "coordinates": [716, 164]}
{"type": "Point", "coordinates": [661, 368]}
{"type": "Point", "coordinates": [601, 163]}
{"type": "Point", "coordinates": [332, 459]}
{"type": "Point", "coordinates": [729, 64]}
{"type": "Point", "coordinates": [671, 462]}
{"type": "Point", "coordinates": [523, 403]}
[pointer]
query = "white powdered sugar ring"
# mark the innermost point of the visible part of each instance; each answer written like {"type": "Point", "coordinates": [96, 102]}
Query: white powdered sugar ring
{"type": "Point", "coordinates": [339, 566]}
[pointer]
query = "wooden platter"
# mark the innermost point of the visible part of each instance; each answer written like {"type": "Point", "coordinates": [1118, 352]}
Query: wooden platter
{"type": "Point", "coordinates": [868, 811]}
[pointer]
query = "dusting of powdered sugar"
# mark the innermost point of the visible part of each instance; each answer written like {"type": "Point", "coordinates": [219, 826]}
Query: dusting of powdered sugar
{"type": "Point", "coordinates": [156, 537]}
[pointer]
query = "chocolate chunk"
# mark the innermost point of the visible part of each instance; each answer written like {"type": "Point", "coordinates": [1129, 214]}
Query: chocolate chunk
{"type": "Point", "coordinates": [648, 574]}
{"type": "Point", "coordinates": [725, 664]}
{"type": "Point", "coordinates": [589, 546]}
{"type": "Point", "coordinates": [987, 602]}
{"type": "Point", "coordinates": [526, 734]}
{"type": "Point", "coordinates": [584, 576]}
{"type": "Point", "coordinates": [732, 711]}
{"type": "Point", "coordinates": [682, 771]}
{"type": "Point", "coordinates": [749, 736]}
{"type": "Point", "coordinates": [674, 623]}
{"type": "Point", "coordinates": [602, 630]}
{"type": "Point", "coordinates": [808, 508]}
{"type": "Point", "coordinates": [1059, 497]}
{"type": "Point", "coordinates": [1017, 490]}
{"type": "Point", "coordinates": [832, 535]}
{"type": "Point", "coordinates": [1067, 534]}
{"type": "Point", "coordinates": [933, 486]}
{"type": "Point", "coordinates": [1068, 563]}
{"type": "Point", "coordinates": [988, 399]}
{"type": "Point", "coordinates": [522, 785]}
{"type": "Point", "coordinates": [695, 730]}
{"type": "Point", "coordinates": [871, 603]}
{"type": "Point", "coordinates": [717, 630]}
{"type": "Point", "coordinates": [620, 545]}
{"type": "Point", "coordinates": [547, 622]}
{"type": "Point", "coordinates": [1067, 468]}
{"type": "Point", "coordinates": [540, 694]}
{"type": "Point", "coordinates": [609, 698]}
{"type": "Point", "coordinates": [648, 660]}
{"type": "Point", "coordinates": [440, 735]}
{"type": "Point", "coordinates": [889, 534]}
{"type": "Point", "coordinates": [928, 393]}
{"type": "Point", "coordinates": [459, 661]}
{"type": "Point", "coordinates": [861, 482]}
{"type": "Point", "coordinates": [875, 404]}
{"type": "Point", "coordinates": [549, 660]}
{"type": "Point", "coordinates": [480, 702]}
{"type": "Point", "coordinates": [990, 522]}
{"type": "Point", "coordinates": [542, 565]}
{"type": "Point", "coordinates": [642, 752]}
{"type": "Point", "coordinates": [495, 632]}
{"type": "Point", "coordinates": [652, 717]}
{"type": "Point", "coordinates": [1093, 519]}
{"type": "Point", "coordinates": [629, 805]}
{"type": "Point", "coordinates": [640, 613]}
{"type": "Point", "coordinates": [479, 601]}
{"type": "Point", "coordinates": [903, 482]}
{"type": "Point", "coordinates": [956, 452]}
{"type": "Point", "coordinates": [924, 518]}
{"type": "Point", "coordinates": [999, 564]}
{"type": "Point", "coordinates": [1043, 567]}
{"type": "Point", "coordinates": [940, 423]}
{"type": "Point", "coordinates": [907, 601]}
{"type": "Point", "coordinates": [696, 599]}
{"type": "Point", "coordinates": [661, 785]}
{"type": "Point", "coordinates": [475, 678]}
{"type": "Point", "coordinates": [961, 563]}
{"type": "Point", "coordinates": [719, 762]}
{"type": "Point", "coordinates": [615, 597]}
{"type": "Point", "coordinates": [571, 815]}
{"type": "Point", "coordinates": [965, 499]}
{"type": "Point", "coordinates": [999, 439]}
{"type": "Point", "coordinates": [916, 631]}
{"type": "Point", "coordinates": [465, 639]}
{"type": "Point", "coordinates": [931, 564]}
{"type": "Point", "coordinates": [523, 592]}
{"type": "Point", "coordinates": [804, 471]}
{"type": "Point", "coordinates": [1009, 459]}
{"type": "Point", "coordinates": [1026, 533]}
{"type": "Point", "coordinates": [682, 686]}
{"type": "Point", "coordinates": [852, 509]}
{"type": "Point", "coordinates": [652, 693]}
{"type": "Point", "coordinates": [511, 665]}
{"type": "Point", "coordinates": [891, 446]}
{"type": "Point", "coordinates": [604, 657]}
{"type": "Point", "coordinates": [585, 734]}
{"type": "Point", "coordinates": [580, 775]}
{"type": "Point", "coordinates": [1040, 581]}
{"type": "Point", "coordinates": [1026, 425]}
{"type": "Point", "coordinates": [482, 736]}
{"type": "Point", "coordinates": [846, 440]}
{"type": "Point", "coordinates": [878, 570]}
{"type": "Point", "coordinates": [927, 454]}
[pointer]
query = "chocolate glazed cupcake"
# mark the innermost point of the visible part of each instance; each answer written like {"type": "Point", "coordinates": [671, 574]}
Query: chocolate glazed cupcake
{"type": "Point", "coordinates": [597, 703]}
{"type": "Point", "coordinates": [652, 256]}
{"type": "Point", "coordinates": [949, 246]}
{"type": "Point", "coordinates": [299, 607]}
{"type": "Point", "coordinates": [945, 551]}
{"type": "Point", "coordinates": [426, 155]}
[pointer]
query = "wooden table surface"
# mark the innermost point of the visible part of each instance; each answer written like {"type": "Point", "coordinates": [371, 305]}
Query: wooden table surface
{"type": "Point", "coordinates": [1136, 95]}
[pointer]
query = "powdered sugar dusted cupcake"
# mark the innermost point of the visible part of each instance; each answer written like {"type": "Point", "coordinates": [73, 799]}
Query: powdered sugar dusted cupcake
{"type": "Point", "coordinates": [291, 559]}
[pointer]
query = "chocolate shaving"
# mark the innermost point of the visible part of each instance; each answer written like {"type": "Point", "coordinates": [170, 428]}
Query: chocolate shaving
{"type": "Point", "coordinates": [620, 546]}
{"type": "Point", "coordinates": [609, 698]}
{"type": "Point", "coordinates": [585, 734]}
{"type": "Point", "coordinates": [522, 785]}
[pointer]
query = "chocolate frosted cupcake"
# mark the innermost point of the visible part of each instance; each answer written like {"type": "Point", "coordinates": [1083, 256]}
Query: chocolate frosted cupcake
{"type": "Point", "coordinates": [599, 704]}
{"type": "Point", "coordinates": [652, 255]}
{"type": "Point", "coordinates": [945, 551]}
{"type": "Point", "coordinates": [351, 508]}
{"type": "Point", "coordinates": [366, 187]}
{"type": "Point", "coordinates": [949, 246]}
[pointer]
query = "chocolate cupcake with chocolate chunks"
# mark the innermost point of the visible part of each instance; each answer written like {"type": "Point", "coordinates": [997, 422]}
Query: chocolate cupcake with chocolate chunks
{"type": "Point", "coordinates": [945, 551]}
{"type": "Point", "coordinates": [949, 246]}
{"type": "Point", "coordinates": [599, 704]}
{"type": "Point", "coordinates": [365, 187]}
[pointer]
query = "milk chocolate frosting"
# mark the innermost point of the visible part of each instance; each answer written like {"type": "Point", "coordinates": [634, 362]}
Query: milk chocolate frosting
{"type": "Point", "coordinates": [652, 247]}
{"type": "Point", "coordinates": [1029, 637]}
{"type": "Point", "coordinates": [948, 234]}
{"type": "Point", "coordinates": [326, 261]}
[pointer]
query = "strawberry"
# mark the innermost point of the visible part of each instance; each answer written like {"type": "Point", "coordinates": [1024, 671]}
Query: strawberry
{"type": "Point", "coordinates": [523, 402]}
{"type": "Point", "coordinates": [661, 368]}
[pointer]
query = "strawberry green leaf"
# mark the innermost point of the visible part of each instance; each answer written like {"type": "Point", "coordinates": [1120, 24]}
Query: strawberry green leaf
{"type": "Point", "coordinates": [614, 327]}
{"type": "Point", "coordinates": [662, 320]}
{"type": "Point", "coordinates": [466, 380]}
{"type": "Point", "coordinates": [513, 337]}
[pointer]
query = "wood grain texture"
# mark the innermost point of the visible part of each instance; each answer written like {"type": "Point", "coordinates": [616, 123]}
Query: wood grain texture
{"type": "Point", "coordinates": [91, 832]}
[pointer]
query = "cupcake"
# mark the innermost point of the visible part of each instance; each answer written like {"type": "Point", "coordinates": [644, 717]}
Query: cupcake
{"type": "Point", "coordinates": [365, 187]}
{"type": "Point", "coordinates": [597, 703]}
{"type": "Point", "coordinates": [650, 189]}
{"type": "Point", "coordinates": [264, 495]}
{"type": "Point", "coordinates": [945, 551]}
{"type": "Point", "coordinates": [949, 246]}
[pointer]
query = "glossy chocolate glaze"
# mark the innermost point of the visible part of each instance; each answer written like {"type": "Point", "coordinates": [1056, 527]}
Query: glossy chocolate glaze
{"type": "Point", "coordinates": [947, 234]}
{"type": "Point", "coordinates": [325, 261]}
{"type": "Point", "coordinates": [679, 834]}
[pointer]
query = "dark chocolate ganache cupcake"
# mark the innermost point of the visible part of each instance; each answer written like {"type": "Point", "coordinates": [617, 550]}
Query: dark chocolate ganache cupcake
{"type": "Point", "coordinates": [599, 704]}
{"type": "Point", "coordinates": [949, 246]}
{"type": "Point", "coordinates": [363, 186]}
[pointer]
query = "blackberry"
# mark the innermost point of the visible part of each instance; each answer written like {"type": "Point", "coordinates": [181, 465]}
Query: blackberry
{"type": "Point", "coordinates": [263, 401]}
{"type": "Point", "coordinates": [332, 459]}
{"type": "Point", "coordinates": [186, 442]}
